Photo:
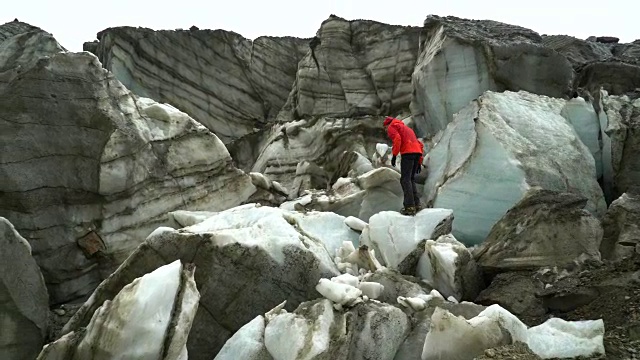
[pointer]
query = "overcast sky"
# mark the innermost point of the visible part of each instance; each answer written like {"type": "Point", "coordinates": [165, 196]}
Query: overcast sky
{"type": "Point", "coordinates": [73, 22]}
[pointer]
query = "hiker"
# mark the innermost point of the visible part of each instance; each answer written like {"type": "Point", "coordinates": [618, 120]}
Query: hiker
{"type": "Point", "coordinates": [406, 144]}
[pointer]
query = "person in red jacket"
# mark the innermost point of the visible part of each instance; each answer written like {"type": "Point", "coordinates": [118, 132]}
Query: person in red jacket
{"type": "Point", "coordinates": [407, 144]}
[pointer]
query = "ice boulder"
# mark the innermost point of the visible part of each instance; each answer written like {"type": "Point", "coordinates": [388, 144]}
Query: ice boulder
{"type": "Point", "coordinates": [461, 59]}
{"type": "Point", "coordinates": [413, 345]}
{"type": "Point", "coordinates": [396, 238]}
{"type": "Point", "coordinates": [453, 337]}
{"type": "Point", "coordinates": [267, 192]}
{"type": "Point", "coordinates": [448, 266]}
{"type": "Point", "coordinates": [545, 228]}
{"type": "Point", "coordinates": [24, 300]}
{"type": "Point", "coordinates": [250, 259]}
{"type": "Point", "coordinates": [496, 149]}
{"type": "Point", "coordinates": [148, 319]}
{"type": "Point", "coordinates": [296, 336]}
{"type": "Point", "coordinates": [557, 338]}
{"type": "Point", "coordinates": [355, 224]}
{"type": "Point", "coordinates": [326, 227]}
{"type": "Point", "coordinates": [247, 343]}
{"type": "Point", "coordinates": [382, 192]}
{"type": "Point", "coordinates": [382, 157]}
{"type": "Point", "coordinates": [395, 285]}
{"type": "Point", "coordinates": [317, 331]}
{"type": "Point", "coordinates": [339, 293]}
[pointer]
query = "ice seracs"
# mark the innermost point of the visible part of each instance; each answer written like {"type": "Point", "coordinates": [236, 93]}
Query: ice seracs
{"type": "Point", "coordinates": [497, 148]}
{"type": "Point", "coordinates": [138, 160]}
{"type": "Point", "coordinates": [460, 59]}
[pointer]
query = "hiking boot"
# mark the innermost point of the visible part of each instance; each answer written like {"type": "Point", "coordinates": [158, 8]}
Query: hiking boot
{"type": "Point", "coordinates": [418, 208]}
{"type": "Point", "coordinates": [409, 210]}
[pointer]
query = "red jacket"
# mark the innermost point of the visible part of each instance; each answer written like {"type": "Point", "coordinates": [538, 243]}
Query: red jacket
{"type": "Point", "coordinates": [404, 139]}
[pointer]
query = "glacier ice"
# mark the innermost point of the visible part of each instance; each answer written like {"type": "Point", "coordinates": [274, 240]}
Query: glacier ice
{"type": "Point", "coordinates": [185, 218]}
{"type": "Point", "coordinates": [557, 338]}
{"type": "Point", "coordinates": [461, 59]}
{"type": "Point", "coordinates": [346, 279]}
{"type": "Point", "coordinates": [134, 324]}
{"type": "Point", "coordinates": [339, 293]}
{"type": "Point", "coordinates": [354, 223]}
{"type": "Point", "coordinates": [329, 228]}
{"type": "Point", "coordinates": [372, 290]}
{"type": "Point", "coordinates": [247, 343]}
{"type": "Point", "coordinates": [24, 302]}
{"type": "Point", "coordinates": [586, 123]}
{"type": "Point", "coordinates": [496, 149]}
{"type": "Point", "coordinates": [290, 336]}
{"type": "Point", "coordinates": [447, 76]}
{"type": "Point", "coordinates": [271, 229]}
{"type": "Point", "coordinates": [453, 337]}
{"type": "Point", "coordinates": [395, 236]}
{"type": "Point", "coordinates": [148, 319]}
{"type": "Point", "coordinates": [437, 266]}
{"type": "Point", "coordinates": [448, 266]}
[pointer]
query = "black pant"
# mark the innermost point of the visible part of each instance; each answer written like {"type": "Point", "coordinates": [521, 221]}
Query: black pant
{"type": "Point", "coordinates": [409, 164]}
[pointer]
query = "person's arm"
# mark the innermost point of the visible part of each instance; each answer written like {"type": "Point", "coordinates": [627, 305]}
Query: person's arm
{"type": "Point", "coordinates": [397, 140]}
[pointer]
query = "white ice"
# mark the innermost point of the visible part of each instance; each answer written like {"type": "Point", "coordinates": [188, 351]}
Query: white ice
{"type": "Point", "coordinates": [327, 227]}
{"type": "Point", "coordinates": [557, 338]}
{"type": "Point", "coordinates": [273, 229]}
{"type": "Point", "coordinates": [453, 337]}
{"type": "Point", "coordinates": [346, 279]}
{"type": "Point", "coordinates": [293, 337]}
{"type": "Point", "coordinates": [135, 323]}
{"type": "Point", "coordinates": [161, 230]}
{"type": "Point", "coordinates": [439, 263]}
{"type": "Point", "coordinates": [586, 123]}
{"type": "Point", "coordinates": [381, 149]}
{"type": "Point", "coordinates": [338, 293]}
{"type": "Point", "coordinates": [247, 343]}
{"type": "Point", "coordinates": [414, 303]}
{"type": "Point", "coordinates": [378, 177]}
{"type": "Point", "coordinates": [355, 224]}
{"type": "Point", "coordinates": [394, 236]}
{"type": "Point", "coordinates": [372, 290]}
{"type": "Point", "coordinates": [447, 76]}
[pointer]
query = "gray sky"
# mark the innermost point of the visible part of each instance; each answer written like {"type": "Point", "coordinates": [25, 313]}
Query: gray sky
{"type": "Point", "coordinates": [73, 22]}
